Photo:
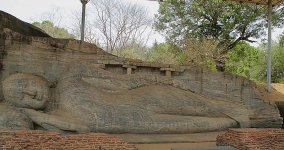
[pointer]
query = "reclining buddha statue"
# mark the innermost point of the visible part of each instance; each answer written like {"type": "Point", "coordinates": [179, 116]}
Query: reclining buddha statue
{"type": "Point", "coordinates": [71, 86]}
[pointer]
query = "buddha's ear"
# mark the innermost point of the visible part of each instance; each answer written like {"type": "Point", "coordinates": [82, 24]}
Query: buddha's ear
{"type": "Point", "coordinates": [51, 84]}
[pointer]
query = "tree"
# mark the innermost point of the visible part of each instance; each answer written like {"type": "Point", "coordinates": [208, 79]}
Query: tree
{"type": "Point", "coordinates": [54, 31]}
{"type": "Point", "coordinates": [132, 51]}
{"type": "Point", "coordinates": [228, 23]}
{"type": "Point", "coordinates": [277, 61]}
{"type": "Point", "coordinates": [167, 53]}
{"type": "Point", "coordinates": [161, 53]}
{"type": "Point", "coordinates": [91, 34]}
{"type": "Point", "coordinates": [120, 23]}
{"type": "Point", "coordinates": [201, 52]}
{"type": "Point", "coordinates": [243, 60]}
{"type": "Point", "coordinates": [53, 15]}
{"type": "Point", "coordinates": [281, 41]}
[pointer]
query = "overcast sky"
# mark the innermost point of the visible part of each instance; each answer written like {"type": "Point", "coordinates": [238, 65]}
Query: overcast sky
{"type": "Point", "coordinates": [32, 10]}
{"type": "Point", "coordinates": [26, 9]}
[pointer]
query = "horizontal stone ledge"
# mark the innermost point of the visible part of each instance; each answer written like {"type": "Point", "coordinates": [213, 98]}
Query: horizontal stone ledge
{"type": "Point", "coordinates": [172, 69]}
{"type": "Point", "coordinates": [149, 64]}
{"type": "Point", "coordinates": [129, 66]}
{"type": "Point", "coordinates": [168, 69]}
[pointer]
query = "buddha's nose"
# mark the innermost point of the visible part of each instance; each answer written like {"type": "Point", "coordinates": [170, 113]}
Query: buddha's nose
{"type": "Point", "coordinates": [31, 93]}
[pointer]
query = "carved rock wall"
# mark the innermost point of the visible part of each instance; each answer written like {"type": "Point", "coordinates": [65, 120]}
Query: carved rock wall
{"type": "Point", "coordinates": [26, 49]}
{"type": "Point", "coordinates": [220, 85]}
{"type": "Point", "coordinates": [13, 23]}
{"type": "Point", "coordinates": [50, 58]}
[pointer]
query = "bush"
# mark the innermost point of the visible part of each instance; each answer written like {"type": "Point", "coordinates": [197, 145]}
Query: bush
{"type": "Point", "coordinates": [243, 59]}
{"type": "Point", "coordinates": [133, 51]}
{"type": "Point", "coordinates": [202, 53]}
{"type": "Point", "coordinates": [277, 62]}
{"type": "Point", "coordinates": [162, 53]}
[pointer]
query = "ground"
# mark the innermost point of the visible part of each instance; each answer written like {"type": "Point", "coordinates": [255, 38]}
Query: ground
{"type": "Point", "coordinates": [279, 87]}
{"type": "Point", "coordinates": [277, 92]}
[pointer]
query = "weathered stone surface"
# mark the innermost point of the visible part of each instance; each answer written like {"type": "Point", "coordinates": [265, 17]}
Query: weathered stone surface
{"type": "Point", "coordinates": [13, 118]}
{"type": "Point", "coordinates": [26, 91]}
{"type": "Point", "coordinates": [11, 22]}
{"type": "Point", "coordinates": [77, 87]}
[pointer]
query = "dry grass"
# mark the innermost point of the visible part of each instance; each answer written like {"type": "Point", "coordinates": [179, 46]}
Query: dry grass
{"type": "Point", "coordinates": [277, 92]}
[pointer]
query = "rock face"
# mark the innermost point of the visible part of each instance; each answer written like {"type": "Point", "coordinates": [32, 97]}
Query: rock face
{"type": "Point", "coordinates": [26, 91]}
{"type": "Point", "coordinates": [69, 86]}
{"type": "Point", "coordinates": [11, 22]}
{"type": "Point", "coordinates": [13, 118]}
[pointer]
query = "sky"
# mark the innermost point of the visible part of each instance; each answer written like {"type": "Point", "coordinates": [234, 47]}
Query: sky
{"type": "Point", "coordinates": [27, 9]}
{"type": "Point", "coordinates": [34, 10]}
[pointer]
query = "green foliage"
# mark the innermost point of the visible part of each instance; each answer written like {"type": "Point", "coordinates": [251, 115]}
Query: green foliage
{"type": "Point", "coordinates": [54, 31]}
{"type": "Point", "coordinates": [277, 62]}
{"type": "Point", "coordinates": [133, 51]}
{"type": "Point", "coordinates": [243, 59]}
{"type": "Point", "coordinates": [277, 72]}
{"type": "Point", "coordinates": [281, 41]}
{"type": "Point", "coordinates": [251, 62]}
{"type": "Point", "coordinates": [170, 54]}
{"type": "Point", "coordinates": [162, 53]}
{"type": "Point", "coordinates": [201, 52]}
{"type": "Point", "coordinates": [226, 22]}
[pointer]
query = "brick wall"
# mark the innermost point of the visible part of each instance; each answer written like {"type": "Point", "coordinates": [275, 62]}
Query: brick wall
{"type": "Point", "coordinates": [36, 140]}
{"type": "Point", "coordinates": [253, 139]}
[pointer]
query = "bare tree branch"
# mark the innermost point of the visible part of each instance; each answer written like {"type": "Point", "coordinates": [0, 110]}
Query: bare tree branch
{"type": "Point", "coordinates": [120, 23]}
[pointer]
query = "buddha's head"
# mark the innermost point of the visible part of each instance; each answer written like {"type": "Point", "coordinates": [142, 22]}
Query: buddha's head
{"type": "Point", "coordinates": [26, 91]}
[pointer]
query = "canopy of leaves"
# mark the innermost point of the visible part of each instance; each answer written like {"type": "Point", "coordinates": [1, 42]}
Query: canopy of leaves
{"type": "Point", "coordinates": [54, 31]}
{"type": "Point", "coordinates": [167, 53]}
{"type": "Point", "coordinates": [277, 61]}
{"type": "Point", "coordinates": [161, 53]}
{"type": "Point", "coordinates": [202, 52]}
{"type": "Point", "coordinates": [226, 22]}
{"type": "Point", "coordinates": [243, 60]}
{"type": "Point", "coordinates": [132, 51]}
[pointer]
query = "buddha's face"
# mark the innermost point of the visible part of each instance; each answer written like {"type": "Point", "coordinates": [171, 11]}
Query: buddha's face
{"type": "Point", "coordinates": [26, 91]}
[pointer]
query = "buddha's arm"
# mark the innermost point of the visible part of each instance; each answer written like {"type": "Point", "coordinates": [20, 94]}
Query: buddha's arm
{"type": "Point", "coordinates": [51, 122]}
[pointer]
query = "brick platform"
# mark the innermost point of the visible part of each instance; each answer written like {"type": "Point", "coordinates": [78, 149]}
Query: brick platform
{"type": "Point", "coordinates": [37, 140]}
{"type": "Point", "coordinates": [253, 139]}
